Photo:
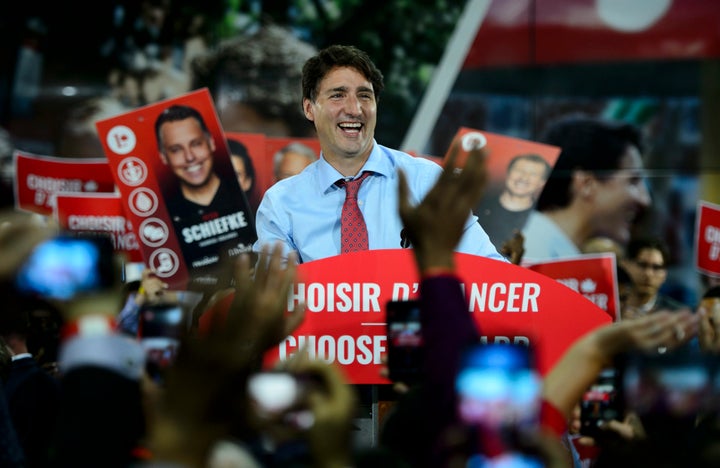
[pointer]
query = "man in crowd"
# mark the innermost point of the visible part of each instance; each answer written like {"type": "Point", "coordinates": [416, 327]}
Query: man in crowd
{"type": "Point", "coordinates": [646, 263]}
{"type": "Point", "coordinates": [291, 159]}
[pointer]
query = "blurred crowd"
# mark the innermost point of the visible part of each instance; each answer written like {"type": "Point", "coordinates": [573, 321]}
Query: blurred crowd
{"type": "Point", "coordinates": [78, 389]}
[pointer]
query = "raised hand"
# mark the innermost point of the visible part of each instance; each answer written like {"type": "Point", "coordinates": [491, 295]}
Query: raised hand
{"type": "Point", "coordinates": [435, 225]}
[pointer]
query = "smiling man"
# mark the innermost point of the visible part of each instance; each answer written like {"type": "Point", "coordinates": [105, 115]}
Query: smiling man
{"type": "Point", "coordinates": [208, 210]}
{"type": "Point", "coordinates": [500, 214]}
{"type": "Point", "coordinates": [341, 88]}
{"type": "Point", "coordinates": [596, 188]}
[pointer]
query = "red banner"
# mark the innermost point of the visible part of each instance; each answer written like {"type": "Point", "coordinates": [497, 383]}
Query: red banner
{"type": "Point", "coordinates": [540, 32]}
{"type": "Point", "coordinates": [594, 276]}
{"type": "Point", "coordinates": [38, 179]}
{"type": "Point", "coordinates": [707, 238]}
{"type": "Point", "coordinates": [346, 296]}
{"type": "Point", "coordinates": [100, 212]}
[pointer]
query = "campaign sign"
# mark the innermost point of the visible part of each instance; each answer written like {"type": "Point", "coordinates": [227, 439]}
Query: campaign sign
{"type": "Point", "coordinates": [594, 276]}
{"type": "Point", "coordinates": [707, 238]}
{"type": "Point", "coordinates": [517, 170]}
{"type": "Point", "coordinates": [38, 179]}
{"type": "Point", "coordinates": [179, 188]}
{"type": "Point", "coordinates": [345, 296]}
{"type": "Point", "coordinates": [101, 213]}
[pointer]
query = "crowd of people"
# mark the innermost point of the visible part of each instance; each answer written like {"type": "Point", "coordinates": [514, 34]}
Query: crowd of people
{"type": "Point", "coordinates": [76, 388]}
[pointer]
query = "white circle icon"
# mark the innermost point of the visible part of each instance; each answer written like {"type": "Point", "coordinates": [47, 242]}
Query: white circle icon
{"type": "Point", "coordinates": [473, 140]}
{"type": "Point", "coordinates": [153, 232]}
{"type": "Point", "coordinates": [121, 139]}
{"type": "Point", "coordinates": [132, 171]}
{"type": "Point", "coordinates": [625, 16]}
{"type": "Point", "coordinates": [143, 201]}
{"type": "Point", "coordinates": [164, 262]}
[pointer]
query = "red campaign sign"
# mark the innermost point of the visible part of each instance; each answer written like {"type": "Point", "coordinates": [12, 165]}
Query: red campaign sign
{"type": "Point", "coordinates": [500, 150]}
{"type": "Point", "coordinates": [101, 213]}
{"type": "Point", "coordinates": [594, 276]}
{"type": "Point", "coordinates": [181, 240]}
{"type": "Point", "coordinates": [346, 296]}
{"type": "Point", "coordinates": [38, 179]}
{"type": "Point", "coordinates": [531, 162]}
{"type": "Point", "coordinates": [707, 238]}
{"type": "Point", "coordinates": [528, 32]}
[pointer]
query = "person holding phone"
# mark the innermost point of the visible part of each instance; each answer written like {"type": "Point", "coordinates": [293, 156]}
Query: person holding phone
{"type": "Point", "coordinates": [425, 419]}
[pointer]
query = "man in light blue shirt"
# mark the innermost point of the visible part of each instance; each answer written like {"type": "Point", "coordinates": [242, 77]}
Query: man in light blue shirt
{"type": "Point", "coordinates": [341, 86]}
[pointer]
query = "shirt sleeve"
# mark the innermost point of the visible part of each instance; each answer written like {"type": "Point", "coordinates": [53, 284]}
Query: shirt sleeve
{"type": "Point", "coordinates": [272, 225]}
{"type": "Point", "coordinates": [476, 241]}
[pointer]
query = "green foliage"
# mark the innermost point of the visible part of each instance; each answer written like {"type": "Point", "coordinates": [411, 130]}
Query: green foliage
{"type": "Point", "coordinates": [405, 38]}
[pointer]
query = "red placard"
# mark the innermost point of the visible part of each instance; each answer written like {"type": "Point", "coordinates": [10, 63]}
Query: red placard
{"type": "Point", "coordinates": [39, 178]}
{"type": "Point", "coordinates": [186, 245]}
{"type": "Point", "coordinates": [593, 275]}
{"type": "Point", "coordinates": [500, 150]}
{"type": "Point", "coordinates": [531, 163]}
{"type": "Point", "coordinates": [102, 213]}
{"type": "Point", "coordinates": [707, 238]}
{"type": "Point", "coordinates": [346, 296]}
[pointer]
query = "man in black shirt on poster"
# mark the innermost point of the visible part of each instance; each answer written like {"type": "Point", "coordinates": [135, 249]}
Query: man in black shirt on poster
{"type": "Point", "coordinates": [504, 212]}
{"type": "Point", "coordinates": [208, 209]}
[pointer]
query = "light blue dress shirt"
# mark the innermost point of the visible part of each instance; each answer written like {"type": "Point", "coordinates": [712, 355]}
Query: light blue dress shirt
{"type": "Point", "coordinates": [303, 211]}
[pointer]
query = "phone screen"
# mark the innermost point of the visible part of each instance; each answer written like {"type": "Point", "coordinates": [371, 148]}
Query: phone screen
{"type": "Point", "coordinates": [498, 387]}
{"type": "Point", "coordinates": [66, 265]}
{"type": "Point", "coordinates": [274, 391]}
{"type": "Point", "coordinates": [602, 402]}
{"type": "Point", "coordinates": [675, 385]}
{"type": "Point", "coordinates": [160, 330]}
{"type": "Point", "coordinates": [405, 341]}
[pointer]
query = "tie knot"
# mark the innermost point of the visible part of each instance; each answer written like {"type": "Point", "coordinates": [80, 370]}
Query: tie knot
{"type": "Point", "coordinates": [353, 186]}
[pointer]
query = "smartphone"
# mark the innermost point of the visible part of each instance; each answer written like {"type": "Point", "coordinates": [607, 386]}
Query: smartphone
{"type": "Point", "coordinates": [602, 402]}
{"type": "Point", "coordinates": [676, 385]}
{"type": "Point", "coordinates": [405, 344]}
{"type": "Point", "coordinates": [498, 390]}
{"type": "Point", "coordinates": [273, 392]}
{"type": "Point", "coordinates": [161, 327]}
{"type": "Point", "coordinates": [67, 265]}
{"type": "Point", "coordinates": [499, 387]}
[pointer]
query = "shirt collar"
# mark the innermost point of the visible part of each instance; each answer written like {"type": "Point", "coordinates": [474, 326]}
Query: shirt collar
{"type": "Point", "coordinates": [17, 357]}
{"type": "Point", "coordinates": [376, 162]}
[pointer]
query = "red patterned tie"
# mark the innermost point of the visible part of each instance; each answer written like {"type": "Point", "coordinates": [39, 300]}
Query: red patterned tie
{"type": "Point", "coordinates": [353, 232]}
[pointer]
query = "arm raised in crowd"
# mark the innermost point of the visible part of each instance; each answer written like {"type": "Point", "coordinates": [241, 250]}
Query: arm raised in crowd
{"type": "Point", "coordinates": [205, 395]}
{"type": "Point", "coordinates": [580, 365]}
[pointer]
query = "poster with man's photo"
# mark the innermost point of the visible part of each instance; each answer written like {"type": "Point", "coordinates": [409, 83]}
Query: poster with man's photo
{"type": "Point", "coordinates": [517, 170]}
{"type": "Point", "coordinates": [172, 166]}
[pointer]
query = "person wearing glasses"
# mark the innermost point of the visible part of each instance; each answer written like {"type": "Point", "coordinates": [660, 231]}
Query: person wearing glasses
{"type": "Point", "coordinates": [646, 262]}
